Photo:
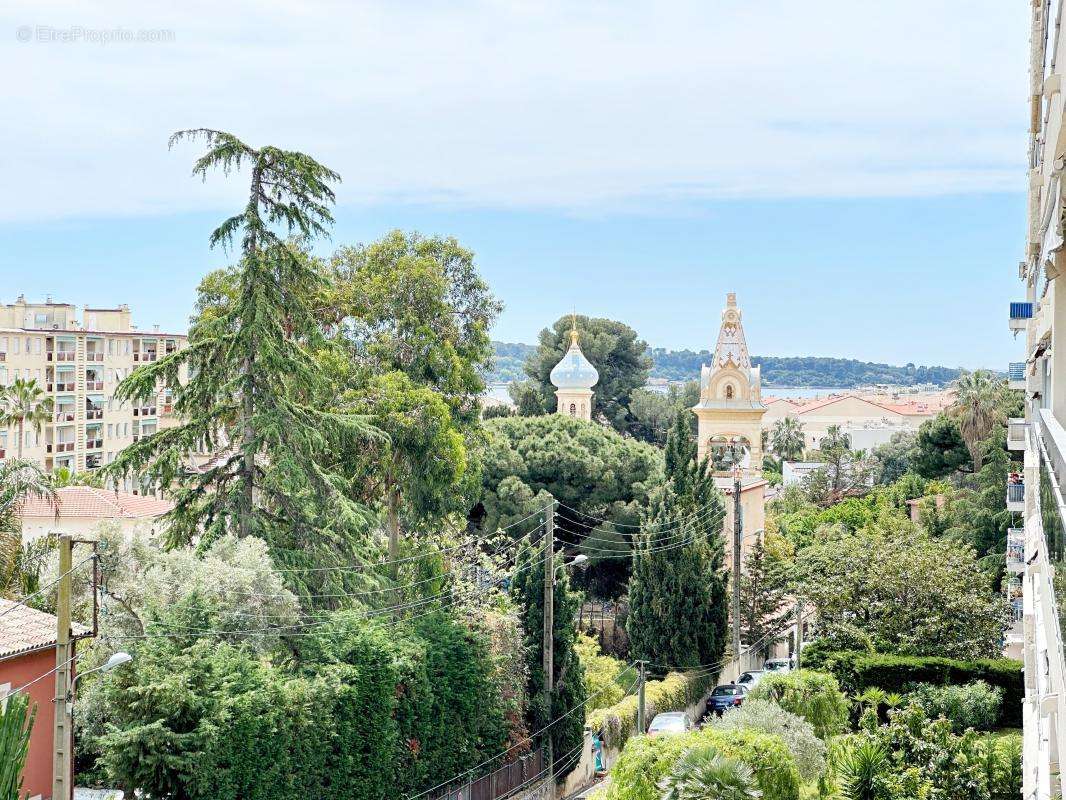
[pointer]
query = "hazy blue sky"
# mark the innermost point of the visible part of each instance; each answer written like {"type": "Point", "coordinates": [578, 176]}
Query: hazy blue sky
{"type": "Point", "coordinates": [854, 173]}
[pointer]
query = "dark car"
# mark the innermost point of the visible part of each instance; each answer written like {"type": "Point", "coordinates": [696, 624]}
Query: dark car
{"type": "Point", "coordinates": [724, 697]}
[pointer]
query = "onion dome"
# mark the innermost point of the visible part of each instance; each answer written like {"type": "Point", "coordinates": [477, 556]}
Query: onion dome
{"type": "Point", "coordinates": [574, 371]}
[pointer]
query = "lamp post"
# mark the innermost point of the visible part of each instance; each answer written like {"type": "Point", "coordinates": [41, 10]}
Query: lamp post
{"type": "Point", "coordinates": [116, 660]}
{"type": "Point", "coordinates": [733, 445]}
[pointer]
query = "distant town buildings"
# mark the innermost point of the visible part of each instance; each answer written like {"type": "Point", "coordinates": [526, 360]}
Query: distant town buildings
{"type": "Point", "coordinates": [868, 421]}
{"type": "Point", "coordinates": [79, 362]}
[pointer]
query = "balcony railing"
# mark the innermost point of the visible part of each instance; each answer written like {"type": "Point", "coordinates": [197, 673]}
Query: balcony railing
{"type": "Point", "coordinates": [60, 447]}
{"type": "Point", "coordinates": [94, 444]}
{"type": "Point", "coordinates": [61, 387]}
{"type": "Point", "coordinates": [94, 385]}
{"type": "Point", "coordinates": [64, 416]}
{"type": "Point", "coordinates": [1017, 429]}
{"type": "Point", "coordinates": [94, 413]}
{"type": "Point", "coordinates": [1016, 497]}
{"type": "Point", "coordinates": [1015, 549]}
{"type": "Point", "coordinates": [146, 411]}
{"type": "Point", "coordinates": [61, 355]}
{"type": "Point", "coordinates": [94, 356]}
{"type": "Point", "coordinates": [149, 356]}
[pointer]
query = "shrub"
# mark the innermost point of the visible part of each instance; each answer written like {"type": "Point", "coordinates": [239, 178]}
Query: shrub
{"type": "Point", "coordinates": [675, 692]}
{"type": "Point", "coordinates": [646, 761]}
{"type": "Point", "coordinates": [767, 755]}
{"type": "Point", "coordinates": [856, 671]}
{"type": "Point", "coordinates": [703, 773]}
{"type": "Point", "coordinates": [797, 734]}
{"type": "Point", "coordinates": [972, 705]}
{"type": "Point", "coordinates": [815, 696]}
{"type": "Point", "coordinates": [606, 678]}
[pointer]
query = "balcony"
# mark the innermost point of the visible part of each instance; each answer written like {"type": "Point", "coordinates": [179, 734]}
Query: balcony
{"type": "Point", "coordinates": [61, 355]}
{"type": "Point", "coordinates": [146, 411]}
{"type": "Point", "coordinates": [1020, 314]}
{"type": "Point", "coordinates": [60, 447]}
{"type": "Point", "coordinates": [60, 387]}
{"type": "Point", "coordinates": [1015, 550]}
{"type": "Point", "coordinates": [147, 356]}
{"type": "Point", "coordinates": [94, 444]}
{"type": "Point", "coordinates": [64, 416]}
{"type": "Point", "coordinates": [1016, 497]}
{"type": "Point", "coordinates": [1016, 375]}
{"type": "Point", "coordinates": [91, 386]}
{"type": "Point", "coordinates": [94, 413]}
{"type": "Point", "coordinates": [94, 356]}
{"type": "Point", "coordinates": [3, 453]}
{"type": "Point", "coordinates": [1017, 429]}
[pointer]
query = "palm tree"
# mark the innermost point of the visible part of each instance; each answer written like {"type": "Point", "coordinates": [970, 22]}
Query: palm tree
{"type": "Point", "coordinates": [24, 403]}
{"type": "Point", "coordinates": [860, 771]}
{"type": "Point", "coordinates": [19, 481]}
{"type": "Point", "coordinates": [788, 439]}
{"type": "Point", "coordinates": [978, 410]}
{"type": "Point", "coordinates": [703, 773]}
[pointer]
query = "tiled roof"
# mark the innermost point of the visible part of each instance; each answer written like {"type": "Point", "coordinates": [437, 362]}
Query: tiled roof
{"type": "Point", "coordinates": [86, 501]}
{"type": "Point", "coordinates": [23, 629]}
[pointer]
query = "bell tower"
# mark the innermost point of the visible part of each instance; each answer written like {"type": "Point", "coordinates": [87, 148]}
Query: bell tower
{"type": "Point", "coordinates": [730, 409]}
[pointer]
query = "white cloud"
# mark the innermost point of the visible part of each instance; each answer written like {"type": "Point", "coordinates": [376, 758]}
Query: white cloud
{"type": "Point", "coordinates": [557, 103]}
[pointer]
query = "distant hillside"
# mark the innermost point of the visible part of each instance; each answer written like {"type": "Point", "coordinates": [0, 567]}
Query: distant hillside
{"type": "Point", "coordinates": [679, 365]}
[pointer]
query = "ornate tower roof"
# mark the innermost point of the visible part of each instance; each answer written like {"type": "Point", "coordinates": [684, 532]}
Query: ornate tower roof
{"type": "Point", "coordinates": [574, 371]}
{"type": "Point", "coordinates": [732, 348]}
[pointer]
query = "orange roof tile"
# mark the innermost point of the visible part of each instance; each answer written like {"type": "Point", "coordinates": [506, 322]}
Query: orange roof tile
{"type": "Point", "coordinates": [24, 629]}
{"type": "Point", "coordinates": [87, 501]}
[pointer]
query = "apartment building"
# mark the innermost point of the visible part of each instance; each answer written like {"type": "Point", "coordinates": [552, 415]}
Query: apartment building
{"type": "Point", "coordinates": [1036, 567]}
{"type": "Point", "coordinates": [79, 362]}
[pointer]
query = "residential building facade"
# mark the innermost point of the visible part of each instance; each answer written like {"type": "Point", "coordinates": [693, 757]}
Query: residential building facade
{"type": "Point", "coordinates": [1036, 567]}
{"type": "Point", "coordinates": [79, 362]}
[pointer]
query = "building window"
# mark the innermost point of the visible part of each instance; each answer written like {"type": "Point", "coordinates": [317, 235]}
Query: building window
{"type": "Point", "coordinates": [729, 392]}
{"type": "Point", "coordinates": [573, 410]}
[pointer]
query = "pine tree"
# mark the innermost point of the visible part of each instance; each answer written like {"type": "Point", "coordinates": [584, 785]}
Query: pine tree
{"type": "Point", "coordinates": [678, 611]}
{"type": "Point", "coordinates": [247, 388]}
{"type": "Point", "coordinates": [568, 689]}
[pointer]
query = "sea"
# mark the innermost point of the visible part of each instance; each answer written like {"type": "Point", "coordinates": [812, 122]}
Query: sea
{"type": "Point", "coordinates": [498, 391]}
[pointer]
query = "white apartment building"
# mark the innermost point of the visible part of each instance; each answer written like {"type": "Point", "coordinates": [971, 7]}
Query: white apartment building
{"type": "Point", "coordinates": [1036, 566]}
{"type": "Point", "coordinates": [79, 363]}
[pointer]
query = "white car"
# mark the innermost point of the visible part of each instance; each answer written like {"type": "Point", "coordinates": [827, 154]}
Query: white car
{"type": "Point", "coordinates": [751, 678]}
{"type": "Point", "coordinates": [670, 722]}
{"type": "Point", "coordinates": [779, 665]}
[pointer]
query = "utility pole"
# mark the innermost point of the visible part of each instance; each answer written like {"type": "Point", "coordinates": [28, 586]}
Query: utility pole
{"type": "Point", "coordinates": [549, 628]}
{"type": "Point", "coordinates": [737, 532]}
{"type": "Point", "coordinates": [799, 632]}
{"type": "Point", "coordinates": [62, 765]}
{"type": "Point", "coordinates": [641, 727]}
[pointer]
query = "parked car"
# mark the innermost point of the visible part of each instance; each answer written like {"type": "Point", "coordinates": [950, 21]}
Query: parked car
{"type": "Point", "coordinates": [750, 678]}
{"type": "Point", "coordinates": [670, 722]}
{"type": "Point", "coordinates": [780, 665]}
{"type": "Point", "coordinates": [725, 696]}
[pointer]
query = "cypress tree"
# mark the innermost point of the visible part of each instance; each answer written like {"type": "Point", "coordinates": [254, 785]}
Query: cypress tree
{"type": "Point", "coordinates": [678, 612]}
{"type": "Point", "coordinates": [568, 689]}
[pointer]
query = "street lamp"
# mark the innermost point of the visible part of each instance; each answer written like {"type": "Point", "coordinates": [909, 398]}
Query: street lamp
{"type": "Point", "coordinates": [116, 660]}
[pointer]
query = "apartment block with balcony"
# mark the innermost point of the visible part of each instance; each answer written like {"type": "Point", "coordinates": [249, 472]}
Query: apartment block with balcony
{"type": "Point", "coordinates": [79, 360]}
{"type": "Point", "coordinates": [1035, 585]}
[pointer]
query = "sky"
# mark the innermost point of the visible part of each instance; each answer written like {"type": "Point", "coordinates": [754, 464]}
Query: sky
{"type": "Point", "coordinates": [855, 172]}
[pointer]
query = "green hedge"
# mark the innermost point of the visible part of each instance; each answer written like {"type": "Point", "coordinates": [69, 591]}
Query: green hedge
{"type": "Point", "coordinates": [856, 671]}
{"type": "Point", "coordinates": [675, 692]}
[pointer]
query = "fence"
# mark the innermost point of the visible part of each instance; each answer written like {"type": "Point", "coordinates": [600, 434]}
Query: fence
{"type": "Point", "coordinates": [501, 782]}
{"type": "Point", "coordinates": [605, 622]}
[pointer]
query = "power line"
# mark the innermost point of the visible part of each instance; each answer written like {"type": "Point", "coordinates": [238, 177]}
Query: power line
{"type": "Point", "coordinates": [46, 587]}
